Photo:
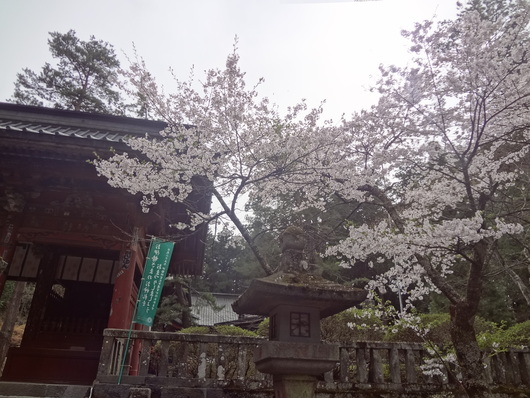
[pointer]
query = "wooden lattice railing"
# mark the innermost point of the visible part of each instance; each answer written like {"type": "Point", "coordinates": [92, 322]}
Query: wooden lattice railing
{"type": "Point", "coordinates": [212, 360]}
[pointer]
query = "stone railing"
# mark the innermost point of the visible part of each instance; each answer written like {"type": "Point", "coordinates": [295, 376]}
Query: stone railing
{"type": "Point", "coordinates": [378, 367]}
{"type": "Point", "coordinates": [212, 361]}
{"type": "Point", "coordinates": [174, 358]}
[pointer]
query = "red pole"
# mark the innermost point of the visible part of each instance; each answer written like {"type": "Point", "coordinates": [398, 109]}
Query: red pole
{"type": "Point", "coordinates": [125, 295]}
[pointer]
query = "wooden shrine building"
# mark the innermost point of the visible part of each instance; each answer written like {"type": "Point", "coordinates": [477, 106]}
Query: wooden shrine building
{"type": "Point", "coordinates": [82, 242]}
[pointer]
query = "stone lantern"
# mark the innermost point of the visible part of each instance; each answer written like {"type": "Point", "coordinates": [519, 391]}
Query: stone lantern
{"type": "Point", "coordinates": [295, 299]}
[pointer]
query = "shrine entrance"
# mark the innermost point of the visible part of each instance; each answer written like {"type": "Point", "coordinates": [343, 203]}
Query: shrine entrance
{"type": "Point", "coordinates": [69, 310]}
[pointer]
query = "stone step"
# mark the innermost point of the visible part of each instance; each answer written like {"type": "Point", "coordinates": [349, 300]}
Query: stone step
{"type": "Point", "coordinates": [40, 390]}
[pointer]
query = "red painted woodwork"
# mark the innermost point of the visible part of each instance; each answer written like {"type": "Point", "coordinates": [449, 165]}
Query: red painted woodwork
{"type": "Point", "coordinates": [125, 286]}
{"type": "Point", "coordinates": [75, 224]}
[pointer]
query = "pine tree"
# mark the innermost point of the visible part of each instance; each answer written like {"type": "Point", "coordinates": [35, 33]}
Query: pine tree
{"type": "Point", "coordinates": [83, 78]}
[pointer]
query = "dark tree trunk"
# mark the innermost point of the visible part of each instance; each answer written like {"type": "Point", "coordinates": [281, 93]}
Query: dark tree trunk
{"type": "Point", "coordinates": [185, 302]}
{"type": "Point", "coordinates": [468, 353]}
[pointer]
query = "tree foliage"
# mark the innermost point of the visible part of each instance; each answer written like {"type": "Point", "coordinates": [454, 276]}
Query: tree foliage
{"type": "Point", "coordinates": [222, 131]}
{"type": "Point", "coordinates": [175, 305]}
{"type": "Point", "coordinates": [223, 260]}
{"type": "Point", "coordinates": [84, 77]}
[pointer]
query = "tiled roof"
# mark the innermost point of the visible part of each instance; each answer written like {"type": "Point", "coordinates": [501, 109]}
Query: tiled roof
{"type": "Point", "coordinates": [64, 131]}
{"type": "Point", "coordinates": [48, 122]}
{"type": "Point", "coordinates": [208, 316]}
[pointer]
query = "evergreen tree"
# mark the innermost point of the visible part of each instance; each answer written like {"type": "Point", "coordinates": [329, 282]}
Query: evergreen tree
{"type": "Point", "coordinates": [224, 254]}
{"type": "Point", "coordinates": [84, 77]}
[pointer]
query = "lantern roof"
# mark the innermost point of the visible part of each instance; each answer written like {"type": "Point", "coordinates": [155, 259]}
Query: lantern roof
{"type": "Point", "coordinates": [304, 289]}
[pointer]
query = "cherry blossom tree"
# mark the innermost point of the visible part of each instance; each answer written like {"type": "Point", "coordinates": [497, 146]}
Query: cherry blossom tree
{"type": "Point", "coordinates": [439, 156]}
{"type": "Point", "coordinates": [441, 153]}
{"type": "Point", "coordinates": [224, 132]}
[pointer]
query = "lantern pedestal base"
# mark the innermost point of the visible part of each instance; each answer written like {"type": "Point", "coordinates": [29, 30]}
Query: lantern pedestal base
{"type": "Point", "coordinates": [287, 358]}
{"type": "Point", "coordinates": [294, 366]}
{"type": "Point", "coordinates": [294, 386]}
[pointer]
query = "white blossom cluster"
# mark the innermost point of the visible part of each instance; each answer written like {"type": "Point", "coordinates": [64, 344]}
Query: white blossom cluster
{"type": "Point", "coordinates": [436, 366]}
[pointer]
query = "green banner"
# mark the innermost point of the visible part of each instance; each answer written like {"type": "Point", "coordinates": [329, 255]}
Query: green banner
{"type": "Point", "coordinates": [155, 271]}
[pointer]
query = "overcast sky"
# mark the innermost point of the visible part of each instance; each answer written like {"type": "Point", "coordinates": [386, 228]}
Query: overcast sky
{"type": "Point", "coordinates": [318, 50]}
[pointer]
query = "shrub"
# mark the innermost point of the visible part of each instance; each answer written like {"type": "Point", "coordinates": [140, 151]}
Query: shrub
{"type": "Point", "coordinates": [231, 330]}
{"type": "Point", "coordinates": [263, 328]}
{"type": "Point", "coordinates": [438, 326]}
{"type": "Point", "coordinates": [352, 325]}
{"type": "Point", "coordinates": [224, 330]}
{"type": "Point", "coordinates": [502, 338]}
{"type": "Point", "coordinates": [518, 335]}
{"type": "Point", "coordinates": [197, 330]}
{"type": "Point", "coordinates": [439, 329]}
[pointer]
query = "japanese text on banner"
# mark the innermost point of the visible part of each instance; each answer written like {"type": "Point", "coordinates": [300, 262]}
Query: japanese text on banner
{"type": "Point", "coordinates": [155, 271]}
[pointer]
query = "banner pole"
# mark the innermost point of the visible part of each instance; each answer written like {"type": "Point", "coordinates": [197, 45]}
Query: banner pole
{"type": "Point", "coordinates": [153, 276]}
{"type": "Point", "coordinates": [128, 343]}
